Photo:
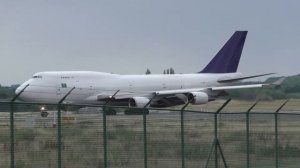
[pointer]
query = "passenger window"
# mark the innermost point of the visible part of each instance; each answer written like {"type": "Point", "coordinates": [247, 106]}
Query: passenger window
{"type": "Point", "coordinates": [63, 85]}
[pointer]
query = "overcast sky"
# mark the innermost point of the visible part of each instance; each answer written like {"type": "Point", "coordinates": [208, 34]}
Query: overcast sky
{"type": "Point", "coordinates": [129, 36]}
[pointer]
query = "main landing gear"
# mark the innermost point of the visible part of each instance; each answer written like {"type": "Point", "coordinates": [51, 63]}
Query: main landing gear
{"type": "Point", "coordinates": [109, 111]}
{"type": "Point", "coordinates": [129, 111]}
{"type": "Point", "coordinates": [136, 111]}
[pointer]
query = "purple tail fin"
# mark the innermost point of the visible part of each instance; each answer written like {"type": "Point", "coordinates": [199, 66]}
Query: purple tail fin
{"type": "Point", "coordinates": [228, 58]}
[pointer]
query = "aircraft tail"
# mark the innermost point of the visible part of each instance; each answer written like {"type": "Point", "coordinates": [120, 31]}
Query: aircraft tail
{"type": "Point", "coordinates": [228, 58]}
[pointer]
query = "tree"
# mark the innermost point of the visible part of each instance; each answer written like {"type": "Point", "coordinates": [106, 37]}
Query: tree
{"type": "Point", "coordinates": [4, 96]}
{"type": "Point", "coordinates": [172, 71]}
{"type": "Point", "coordinates": [169, 71]}
{"type": "Point", "coordinates": [148, 72]}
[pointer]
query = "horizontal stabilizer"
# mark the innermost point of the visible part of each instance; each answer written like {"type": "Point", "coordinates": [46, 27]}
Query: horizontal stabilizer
{"type": "Point", "coordinates": [279, 81]}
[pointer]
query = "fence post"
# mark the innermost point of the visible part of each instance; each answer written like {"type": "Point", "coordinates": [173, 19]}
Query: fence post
{"type": "Point", "coordinates": [182, 134]}
{"type": "Point", "coordinates": [104, 137]}
{"type": "Point", "coordinates": [216, 137]}
{"type": "Point", "coordinates": [276, 134]}
{"type": "Point", "coordinates": [145, 138]}
{"type": "Point", "coordinates": [12, 136]}
{"type": "Point", "coordinates": [105, 108]}
{"type": "Point", "coordinates": [12, 128]}
{"type": "Point", "coordinates": [59, 143]}
{"type": "Point", "coordinates": [248, 132]}
{"type": "Point", "coordinates": [216, 144]}
{"type": "Point", "coordinates": [145, 130]}
{"type": "Point", "coordinates": [59, 136]}
{"type": "Point", "coordinates": [276, 140]}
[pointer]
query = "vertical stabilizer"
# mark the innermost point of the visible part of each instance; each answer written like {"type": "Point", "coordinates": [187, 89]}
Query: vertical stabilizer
{"type": "Point", "coordinates": [228, 58]}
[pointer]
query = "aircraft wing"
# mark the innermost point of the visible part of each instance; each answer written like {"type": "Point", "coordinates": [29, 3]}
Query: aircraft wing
{"type": "Point", "coordinates": [179, 91]}
{"type": "Point", "coordinates": [242, 78]}
{"type": "Point", "coordinates": [166, 98]}
{"type": "Point", "coordinates": [221, 88]}
{"type": "Point", "coordinates": [118, 95]}
{"type": "Point", "coordinates": [218, 88]}
{"type": "Point", "coordinates": [274, 84]}
{"type": "Point", "coordinates": [125, 95]}
{"type": "Point", "coordinates": [239, 87]}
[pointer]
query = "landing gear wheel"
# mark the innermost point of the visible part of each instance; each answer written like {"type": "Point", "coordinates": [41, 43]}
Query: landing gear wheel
{"type": "Point", "coordinates": [44, 114]}
{"type": "Point", "coordinates": [110, 111]}
{"type": "Point", "coordinates": [136, 111]}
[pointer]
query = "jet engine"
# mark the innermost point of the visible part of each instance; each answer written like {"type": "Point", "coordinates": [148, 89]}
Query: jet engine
{"type": "Point", "coordinates": [138, 102]}
{"type": "Point", "coordinates": [198, 98]}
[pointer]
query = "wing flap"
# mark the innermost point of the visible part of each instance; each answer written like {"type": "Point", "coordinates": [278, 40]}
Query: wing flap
{"type": "Point", "coordinates": [179, 91]}
{"type": "Point", "coordinates": [120, 95]}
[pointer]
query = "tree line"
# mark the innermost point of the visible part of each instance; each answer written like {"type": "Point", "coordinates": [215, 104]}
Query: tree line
{"type": "Point", "coordinates": [290, 88]}
{"type": "Point", "coordinates": [7, 92]}
{"type": "Point", "coordinates": [166, 71]}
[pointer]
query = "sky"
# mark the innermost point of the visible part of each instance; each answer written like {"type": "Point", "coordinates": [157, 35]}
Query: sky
{"type": "Point", "coordinates": [129, 36]}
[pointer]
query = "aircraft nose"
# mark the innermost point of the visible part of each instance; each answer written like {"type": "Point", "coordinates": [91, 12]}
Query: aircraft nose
{"type": "Point", "coordinates": [18, 90]}
{"type": "Point", "coordinates": [21, 87]}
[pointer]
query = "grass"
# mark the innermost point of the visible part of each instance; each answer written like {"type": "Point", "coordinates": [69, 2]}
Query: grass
{"type": "Point", "coordinates": [83, 141]}
{"type": "Point", "coordinates": [242, 106]}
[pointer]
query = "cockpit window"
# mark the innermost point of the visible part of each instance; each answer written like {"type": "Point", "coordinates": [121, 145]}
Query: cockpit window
{"type": "Point", "coordinates": [37, 76]}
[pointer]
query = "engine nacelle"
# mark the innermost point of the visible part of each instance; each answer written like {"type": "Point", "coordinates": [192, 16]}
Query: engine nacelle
{"type": "Point", "coordinates": [138, 102]}
{"type": "Point", "coordinates": [198, 97]}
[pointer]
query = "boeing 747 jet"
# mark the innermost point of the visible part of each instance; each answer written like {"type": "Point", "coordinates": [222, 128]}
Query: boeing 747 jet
{"type": "Point", "coordinates": [157, 90]}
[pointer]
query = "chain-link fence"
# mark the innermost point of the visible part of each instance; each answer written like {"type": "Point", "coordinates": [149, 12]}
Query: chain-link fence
{"type": "Point", "coordinates": [238, 136]}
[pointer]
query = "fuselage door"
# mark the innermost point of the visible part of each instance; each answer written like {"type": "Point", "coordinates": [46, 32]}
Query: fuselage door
{"type": "Point", "coordinates": [61, 89]}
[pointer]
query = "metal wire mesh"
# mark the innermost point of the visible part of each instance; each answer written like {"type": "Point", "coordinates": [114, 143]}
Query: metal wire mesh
{"type": "Point", "coordinates": [288, 140]}
{"type": "Point", "coordinates": [72, 136]}
{"type": "Point", "coordinates": [35, 138]}
{"type": "Point", "coordinates": [125, 140]}
{"type": "Point", "coordinates": [4, 136]}
{"type": "Point", "coordinates": [82, 142]}
{"type": "Point", "coordinates": [232, 136]}
{"type": "Point", "coordinates": [198, 138]}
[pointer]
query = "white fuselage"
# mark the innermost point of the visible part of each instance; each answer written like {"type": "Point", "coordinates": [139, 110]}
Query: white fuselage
{"type": "Point", "coordinates": [219, 75]}
{"type": "Point", "coordinates": [52, 86]}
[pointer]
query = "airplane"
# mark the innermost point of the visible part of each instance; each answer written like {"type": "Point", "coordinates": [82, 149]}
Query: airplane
{"type": "Point", "coordinates": [157, 90]}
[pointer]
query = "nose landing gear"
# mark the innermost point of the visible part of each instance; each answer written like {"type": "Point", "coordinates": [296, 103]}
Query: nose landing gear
{"type": "Point", "coordinates": [44, 112]}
